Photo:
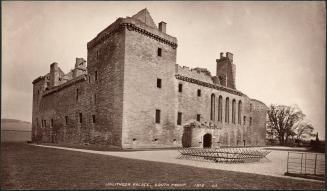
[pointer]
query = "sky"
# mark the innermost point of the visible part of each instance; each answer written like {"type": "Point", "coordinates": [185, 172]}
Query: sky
{"type": "Point", "coordinates": [279, 47]}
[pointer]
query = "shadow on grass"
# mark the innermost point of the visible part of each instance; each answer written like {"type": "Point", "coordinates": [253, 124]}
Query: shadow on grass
{"type": "Point", "coordinates": [28, 167]}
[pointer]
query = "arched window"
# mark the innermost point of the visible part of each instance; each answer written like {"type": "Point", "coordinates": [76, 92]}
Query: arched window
{"type": "Point", "coordinates": [227, 110]}
{"type": "Point", "coordinates": [239, 117]}
{"type": "Point", "coordinates": [212, 113]}
{"type": "Point", "coordinates": [220, 108]}
{"type": "Point", "coordinates": [233, 110]}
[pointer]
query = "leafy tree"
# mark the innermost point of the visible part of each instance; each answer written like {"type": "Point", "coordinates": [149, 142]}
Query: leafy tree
{"type": "Point", "coordinates": [303, 130]}
{"type": "Point", "coordinates": [281, 120]}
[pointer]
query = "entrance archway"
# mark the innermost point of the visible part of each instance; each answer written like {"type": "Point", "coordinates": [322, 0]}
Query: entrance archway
{"type": "Point", "coordinates": [207, 140]}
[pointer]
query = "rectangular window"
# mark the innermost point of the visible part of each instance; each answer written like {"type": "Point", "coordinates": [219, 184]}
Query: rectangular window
{"type": "Point", "coordinates": [89, 79]}
{"type": "Point", "coordinates": [157, 116]}
{"type": "Point", "coordinates": [93, 118]}
{"type": "Point", "coordinates": [198, 117]}
{"type": "Point", "coordinates": [199, 93]}
{"type": "Point", "coordinates": [80, 118]}
{"type": "Point", "coordinates": [158, 83]}
{"type": "Point", "coordinates": [95, 75]}
{"type": "Point", "coordinates": [42, 125]}
{"type": "Point", "coordinates": [66, 120]}
{"type": "Point", "coordinates": [250, 121]}
{"type": "Point", "coordinates": [180, 87]}
{"type": "Point", "coordinates": [244, 120]}
{"type": "Point", "coordinates": [159, 51]}
{"type": "Point", "coordinates": [45, 123]}
{"type": "Point", "coordinates": [51, 122]}
{"type": "Point", "coordinates": [77, 94]}
{"type": "Point", "coordinates": [179, 118]}
{"type": "Point", "coordinates": [94, 98]}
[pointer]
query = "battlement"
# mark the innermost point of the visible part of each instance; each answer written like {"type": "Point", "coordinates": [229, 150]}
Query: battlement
{"type": "Point", "coordinates": [228, 56]}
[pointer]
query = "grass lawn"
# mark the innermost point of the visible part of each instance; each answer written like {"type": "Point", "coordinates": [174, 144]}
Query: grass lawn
{"type": "Point", "coordinates": [25, 166]}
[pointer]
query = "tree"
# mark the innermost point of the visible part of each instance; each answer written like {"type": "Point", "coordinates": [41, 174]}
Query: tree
{"type": "Point", "coordinates": [281, 120]}
{"type": "Point", "coordinates": [303, 130]}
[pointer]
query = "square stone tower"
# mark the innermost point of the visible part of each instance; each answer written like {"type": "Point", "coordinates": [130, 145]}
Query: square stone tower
{"type": "Point", "coordinates": [125, 63]}
{"type": "Point", "coordinates": [226, 70]}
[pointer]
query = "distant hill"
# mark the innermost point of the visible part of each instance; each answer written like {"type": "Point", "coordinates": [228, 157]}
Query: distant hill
{"type": "Point", "coordinates": [15, 124]}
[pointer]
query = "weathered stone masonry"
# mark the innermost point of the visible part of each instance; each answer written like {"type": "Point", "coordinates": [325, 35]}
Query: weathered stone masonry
{"type": "Point", "coordinates": [115, 98]}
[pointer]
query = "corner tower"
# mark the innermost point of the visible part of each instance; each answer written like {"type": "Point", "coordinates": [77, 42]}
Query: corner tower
{"type": "Point", "coordinates": [150, 58]}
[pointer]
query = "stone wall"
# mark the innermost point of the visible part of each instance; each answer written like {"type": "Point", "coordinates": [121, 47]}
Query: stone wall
{"type": "Point", "coordinates": [143, 67]}
{"type": "Point", "coordinates": [99, 99]}
{"type": "Point", "coordinates": [229, 133]}
{"type": "Point", "coordinates": [106, 73]}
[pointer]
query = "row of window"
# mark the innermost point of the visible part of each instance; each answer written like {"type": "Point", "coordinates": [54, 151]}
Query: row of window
{"type": "Point", "coordinates": [198, 118]}
{"type": "Point", "coordinates": [80, 120]}
{"type": "Point", "coordinates": [180, 87]}
{"type": "Point", "coordinates": [227, 109]}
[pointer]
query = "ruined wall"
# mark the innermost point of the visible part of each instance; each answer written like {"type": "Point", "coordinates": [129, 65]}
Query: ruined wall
{"type": "Point", "coordinates": [57, 106]}
{"type": "Point", "coordinates": [186, 71]}
{"type": "Point", "coordinates": [142, 97]}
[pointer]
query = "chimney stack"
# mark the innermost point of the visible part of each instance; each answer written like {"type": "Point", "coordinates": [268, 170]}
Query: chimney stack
{"type": "Point", "coordinates": [162, 27]}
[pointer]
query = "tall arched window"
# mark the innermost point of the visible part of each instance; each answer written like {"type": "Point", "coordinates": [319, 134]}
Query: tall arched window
{"type": "Point", "coordinates": [239, 117]}
{"type": "Point", "coordinates": [212, 113]}
{"type": "Point", "coordinates": [227, 110]}
{"type": "Point", "coordinates": [233, 110]}
{"type": "Point", "coordinates": [220, 108]}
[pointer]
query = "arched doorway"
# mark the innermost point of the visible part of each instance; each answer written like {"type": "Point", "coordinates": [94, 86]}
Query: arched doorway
{"type": "Point", "coordinates": [207, 140]}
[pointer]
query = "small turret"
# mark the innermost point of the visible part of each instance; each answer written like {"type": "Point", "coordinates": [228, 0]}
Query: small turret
{"type": "Point", "coordinates": [54, 74]}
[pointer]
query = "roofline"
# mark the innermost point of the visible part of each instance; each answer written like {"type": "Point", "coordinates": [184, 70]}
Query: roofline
{"type": "Point", "coordinates": [38, 79]}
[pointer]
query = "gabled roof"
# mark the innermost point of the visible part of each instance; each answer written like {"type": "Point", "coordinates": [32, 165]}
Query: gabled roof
{"type": "Point", "coordinates": [145, 17]}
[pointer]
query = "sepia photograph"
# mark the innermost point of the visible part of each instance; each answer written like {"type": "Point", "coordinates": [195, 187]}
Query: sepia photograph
{"type": "Point", "coordinates": [161, 95]}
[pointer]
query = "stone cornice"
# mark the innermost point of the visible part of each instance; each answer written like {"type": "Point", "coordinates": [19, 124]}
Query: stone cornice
{"type": "Point", "coordinates": [130, 27]}
{"type": "Point", "coordinates": [206, 84]}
